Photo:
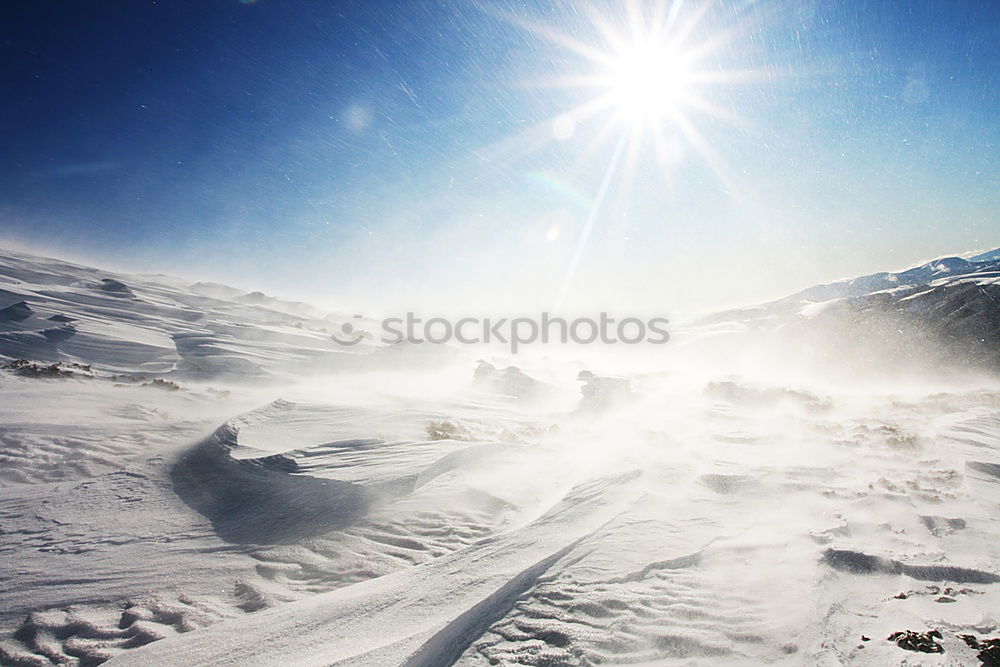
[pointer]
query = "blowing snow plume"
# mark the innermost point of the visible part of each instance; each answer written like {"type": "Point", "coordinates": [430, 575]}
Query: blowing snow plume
{"type": "Point", "coordinates": [473, 512]}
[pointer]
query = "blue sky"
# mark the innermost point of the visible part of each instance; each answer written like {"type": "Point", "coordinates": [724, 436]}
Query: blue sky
{"type": "Point", "coordinates": [398, 153]}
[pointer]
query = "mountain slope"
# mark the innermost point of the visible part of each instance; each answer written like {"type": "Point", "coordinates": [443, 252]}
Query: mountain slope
{"type": "Point", "coordinates": [944, 313]}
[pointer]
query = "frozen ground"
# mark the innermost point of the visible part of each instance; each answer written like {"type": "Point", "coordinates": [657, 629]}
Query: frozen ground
{"type": "Point", "coordinates": [278, 499]}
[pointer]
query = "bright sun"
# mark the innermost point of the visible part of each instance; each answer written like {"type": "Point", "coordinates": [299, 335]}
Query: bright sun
{"type": "Point", "coordinates": [647, 81]}
{"type": "Point", "coordinates": [648, 68]}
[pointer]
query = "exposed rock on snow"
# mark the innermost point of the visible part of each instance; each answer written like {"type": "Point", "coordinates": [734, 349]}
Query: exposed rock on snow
{"type": "Point", "coordinates": [115, 287]}
{"type": "Point", "coordinates": [917, 641]}
{"type": "Point", "coordinates": [510, 381]}
{"type": "Point", "coordinates": [16, 312]}
{"type": "Point", "coordinates": [601, 393]}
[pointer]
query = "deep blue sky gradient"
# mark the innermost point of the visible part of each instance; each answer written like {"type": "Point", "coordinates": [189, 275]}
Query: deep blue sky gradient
{"type": "Point", "coordinates": [285, 141]}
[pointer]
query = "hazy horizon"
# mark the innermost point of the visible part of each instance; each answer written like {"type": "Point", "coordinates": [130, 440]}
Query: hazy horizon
{"type": "Point", "coordinates": [386, 155]}
{"type": "Point", "coordinates": [349, 302]}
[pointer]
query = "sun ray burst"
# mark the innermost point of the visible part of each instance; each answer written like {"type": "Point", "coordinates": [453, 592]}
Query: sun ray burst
{"type": "Point", "coordinates": [649, 68]}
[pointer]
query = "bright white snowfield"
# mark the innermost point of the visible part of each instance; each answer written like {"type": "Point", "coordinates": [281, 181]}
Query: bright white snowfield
{"type": "Point", "coordinates": [206, 477]}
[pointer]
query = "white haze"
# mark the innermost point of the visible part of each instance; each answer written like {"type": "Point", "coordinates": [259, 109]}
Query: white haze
{"type": "Point", "coordinates": [735, 496]}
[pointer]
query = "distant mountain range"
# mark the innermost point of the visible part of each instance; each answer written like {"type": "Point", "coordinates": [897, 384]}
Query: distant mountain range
{"type": "Point", "coordinates": [947, 310]}
{"type": "Point", "coordinates": [945, 267]}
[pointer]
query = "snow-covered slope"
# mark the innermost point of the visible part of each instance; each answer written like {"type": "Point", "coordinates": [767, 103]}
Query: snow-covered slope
{"type": "Point", "coordinates": [194, 476]}
{"type": "Point", "coordinates": [942, 268]}
{"type": "Point", "coordinates": [55, 311]}
{"type": "Point", "coordinates": [941, 315]}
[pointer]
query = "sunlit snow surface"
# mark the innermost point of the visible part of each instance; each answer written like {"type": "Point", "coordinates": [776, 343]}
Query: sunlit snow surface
{"type": "Point", "coordinates": [296, 502]}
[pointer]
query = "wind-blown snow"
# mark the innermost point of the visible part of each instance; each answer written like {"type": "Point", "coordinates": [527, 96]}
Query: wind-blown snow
{"type": "Point", "coordinates": [194, 475]}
